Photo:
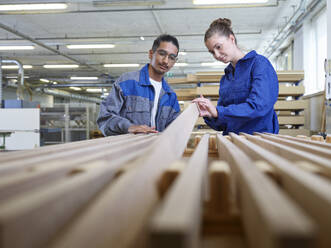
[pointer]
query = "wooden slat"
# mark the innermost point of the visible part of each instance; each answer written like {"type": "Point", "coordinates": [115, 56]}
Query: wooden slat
{"type": "Point", "coordinates": [174, 226]}
{"type": "Point", "coordinates": [291, 90]}
{"type": "Point", "coordinates": [45, 159]}
{"type": "Point", "coordinates": [5, 157]}
{"type": "Point", "coordinates": [169, 176]}
{"type": "Point", "coordinates": [268, 170]}
{"type": "Point", "coordinates": [291, 120]}
{"type": "Point", "coordinates": [283, 76]}
{"type": "Point", "coordinates": [294, 132]}
{"type": "Point", "coordinates": [310, 142]}
{"type": "Point", "coordinates": [309, 190]}
{"type": "Point", "coordinates": [294, 155]}
{"type": "Point", "coordinates": [39, 214]}
{"type": "Point", "coordinates": [220, 195]}
{"type": "Point", "coordinates": [208, 90]}
{"type": "Point", "coordinates": [55, 170]}
{"type": "Point", "coordinates": [325, 153]}
{"type": "Point", "coordinates": [213, 91]}
{"type": "Point", "coordinates": [130, 200]}
{"type": "Point", "coordinates": [291, 105]}
{"type": "Point", "coordinates": [264, 207]}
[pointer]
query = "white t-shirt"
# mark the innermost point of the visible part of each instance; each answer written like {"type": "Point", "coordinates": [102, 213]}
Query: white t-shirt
{"type": "Point", "coordinates": [157, 88]}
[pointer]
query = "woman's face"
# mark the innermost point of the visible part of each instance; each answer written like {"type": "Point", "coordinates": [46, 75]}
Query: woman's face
{"type": "Point", "coordinates": [221, 47]}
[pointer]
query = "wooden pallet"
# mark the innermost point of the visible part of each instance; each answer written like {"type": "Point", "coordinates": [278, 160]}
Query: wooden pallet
{"type": "Point", "coordinates": [152, 190]}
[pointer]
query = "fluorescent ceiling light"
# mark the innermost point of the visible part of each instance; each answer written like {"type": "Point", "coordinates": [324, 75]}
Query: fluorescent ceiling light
{"type": "Point", "coordinates": [44, 80]}
{"type": "Point", "coordinates": [91, 46]}
{"type": "Point", "coordinates": [10, 67]}
{"type": "Point", "coordinates": [105, 3]}
{"type": "Point", "coordinates": [121, 65]}
{"type": "Point", "coordinates": [38, 6]}
{"type": "Point", "coordinates": [142, 38]}
{"type": "Point", "coordinates": [181, 64]}
{"type": "Point", "coordinates": [182, 53]}
{"type": "Point", "coordinates": [207, 2]}
{"type": "Point", "coordinates": [15, 77]}
{"type": "Point", "coordinates": [8, 48]}
{"type": "Point", "coordinates": [213, 64]}
{"type": "Point", "coordinates": [75, 88]}
{"type": "Point", "coordinates": [54, 82]}
{"type": "Point", "coordinates": [94, 90]}
{"type": "Point", "coordinates": [84, 78]}
{"type": "Point", "coordinates": [60, 66]}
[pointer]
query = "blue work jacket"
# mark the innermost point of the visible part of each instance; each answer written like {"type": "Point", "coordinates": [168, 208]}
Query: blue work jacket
{"type": "Point", "coordinates": [131, 102]}
{"type": "Point", "coordinates": [247, 95]}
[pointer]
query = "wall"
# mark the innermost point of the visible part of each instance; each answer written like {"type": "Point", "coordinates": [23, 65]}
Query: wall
{"type": "Point", "coordinates": [298, 50]}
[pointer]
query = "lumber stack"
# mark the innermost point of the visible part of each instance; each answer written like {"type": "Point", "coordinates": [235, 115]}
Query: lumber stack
{"type": "Point", "coordinates": [289, 107]}
{"type": "Point", "coordinates": [154, 190]}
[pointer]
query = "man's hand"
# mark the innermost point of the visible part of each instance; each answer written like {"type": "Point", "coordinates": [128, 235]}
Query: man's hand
{"type": "Point", "coordinates": [141, 129]}
{"type": "Point", "coordinates": [206, 108]}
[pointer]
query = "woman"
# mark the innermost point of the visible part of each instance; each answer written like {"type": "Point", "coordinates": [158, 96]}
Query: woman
{"type": "Point", "coordinates": [248, 90]}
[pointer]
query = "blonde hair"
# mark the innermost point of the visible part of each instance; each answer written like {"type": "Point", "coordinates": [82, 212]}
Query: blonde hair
{"type": "Point", "coordinates": [221, 26]}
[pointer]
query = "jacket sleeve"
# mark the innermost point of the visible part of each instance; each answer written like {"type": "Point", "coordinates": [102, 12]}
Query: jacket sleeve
{"type": "Point", "coordinates": [109, 120]}
{"type": "Point", "coordinates": [261, 98]}
{"type": "Point", "coordinates": [175, 111]}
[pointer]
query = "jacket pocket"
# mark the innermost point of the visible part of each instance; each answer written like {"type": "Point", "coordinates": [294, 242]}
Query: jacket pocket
{"type": "Point", "coordinates": [138, 111]}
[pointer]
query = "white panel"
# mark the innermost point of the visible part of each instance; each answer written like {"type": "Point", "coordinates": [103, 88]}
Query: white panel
{"type": "Point", "coordinates": [22, 141]}
{"type": "Point", "coordinates": [19, 119]}
{"type": "Point", "coordinates": [25, 124]}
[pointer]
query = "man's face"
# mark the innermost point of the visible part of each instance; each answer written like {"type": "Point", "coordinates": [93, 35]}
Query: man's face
{"type": "Point", "coordinates": [164, 58]}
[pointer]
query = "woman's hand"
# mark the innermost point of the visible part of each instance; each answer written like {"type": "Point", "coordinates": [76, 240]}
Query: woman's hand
{"type": "Point", "coordinates": [206, 108]}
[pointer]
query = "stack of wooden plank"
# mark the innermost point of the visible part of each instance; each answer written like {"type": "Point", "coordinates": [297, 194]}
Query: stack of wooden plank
{"type": "Point", "coordinates": [152, 190]}
{"type": "Point", "coordinates": [289, 107]}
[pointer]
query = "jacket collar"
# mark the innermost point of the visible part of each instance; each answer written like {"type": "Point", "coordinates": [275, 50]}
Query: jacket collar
{"type": "Point", "coordinates": [248, 56]}
{"type": "Point", "coordinates": [144, 79]}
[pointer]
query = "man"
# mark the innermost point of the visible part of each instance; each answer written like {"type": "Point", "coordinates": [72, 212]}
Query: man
{"type": "Point", "coordinates": [142, 101]}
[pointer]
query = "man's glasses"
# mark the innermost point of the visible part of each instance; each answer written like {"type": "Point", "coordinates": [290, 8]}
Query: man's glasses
{"type": "Point", "coordinates": [172, 57]}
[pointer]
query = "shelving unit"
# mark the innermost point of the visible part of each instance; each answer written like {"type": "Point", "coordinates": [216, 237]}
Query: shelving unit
{"type": "Point", "coordinates": [67, 122]}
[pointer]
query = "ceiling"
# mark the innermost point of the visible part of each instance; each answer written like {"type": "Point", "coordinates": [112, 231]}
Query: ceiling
{"type": "Point", "coordinates": [97, 22]}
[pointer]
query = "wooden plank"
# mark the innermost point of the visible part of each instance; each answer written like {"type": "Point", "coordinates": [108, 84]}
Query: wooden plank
{"type": "Point", "coordinates": [213, 91]}
{"type": "Point", "coordinates": [309, 190]}
{"type": "Point", "coordinates": [5, 157]}
{"type": "Point", "coordinates": [220, 195]}
{"type": "Point", "coordinates": [290, 76]}
{"type": "Point", "coordinates": [291, 120]}
{"type": "Point", "coordinates": [264, 207]}
{"type": "Point", "coordinates": [45, 159]}
{"type": "Point", "coordinates": [310, 142]}
{"type": "Point", "coordinates": [325, 153]}
{"type": "Point", "coordinates": [295, 155]}
{"type": "Point", "coordinates": [317, 138]}
{"type": "Point", "coordinates": [283, 76]}
{"type": "Point", "coordinates": [268, 170]}
{"type": "Point", "coordinates": [36, 216]}
{"type": "Point", "coordinates": [309, 167]}
{"type": "Point", "coordinates": [294, 132]}
{"type": "Point", "coordinates": [22, 182]}
{"type": "Point", "coordinates": [169, 176]}
{"type": "Point", "coordinates": [208, 90]}
{"type": "Point", "coordinates": [291, 105]}
{"type": "Point", "coordinates": [291, 90]}
{"type": "Point", "coordinates": [130, 200]}
{"type": "Point", "coordinates": [174, 226]}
